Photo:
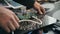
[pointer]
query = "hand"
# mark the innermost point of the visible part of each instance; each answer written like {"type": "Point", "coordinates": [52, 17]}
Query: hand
{"type": "Point", "coordinates": [8, 20]}
{"type": "Point", "coordinates": [39, 8]}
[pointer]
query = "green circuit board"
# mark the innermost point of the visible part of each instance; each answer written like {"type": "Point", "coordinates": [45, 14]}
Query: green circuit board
{"type": "Point", "coordinates": [26, 15]}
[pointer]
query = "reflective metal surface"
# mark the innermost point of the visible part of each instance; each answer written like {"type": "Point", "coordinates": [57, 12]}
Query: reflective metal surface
{"type": "Point", "coordinates": [48, 20]}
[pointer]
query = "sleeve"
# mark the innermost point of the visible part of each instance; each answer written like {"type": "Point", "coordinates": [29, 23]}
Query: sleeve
{"type": "Point", "coordinates": [28, 3]}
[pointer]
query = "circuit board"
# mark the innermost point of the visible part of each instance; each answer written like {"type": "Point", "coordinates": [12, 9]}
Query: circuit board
{"type": "Point", "coordinates": [27, 21]}
{"type": "Point", "coordinates": [27, 14]}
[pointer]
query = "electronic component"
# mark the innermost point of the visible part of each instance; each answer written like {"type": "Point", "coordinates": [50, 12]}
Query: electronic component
{"type": "Point", "coordinates": [28, 19]}
{"type": "Point", "coordinates": [3, 3]}
{"type": "Point", "coordinates": [13, 4]}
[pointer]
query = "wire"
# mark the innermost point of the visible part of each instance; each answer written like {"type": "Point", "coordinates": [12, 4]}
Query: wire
{"type": "Point", "coordinates": [31, 21]}
{"type": "Point", "coordinates": [37, 19]}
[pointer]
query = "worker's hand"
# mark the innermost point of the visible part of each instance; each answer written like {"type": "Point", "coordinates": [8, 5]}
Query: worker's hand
{"type": "Point", "coordinates": [8, 20]}
{"type": "Point", "coordinates": [39, 8]}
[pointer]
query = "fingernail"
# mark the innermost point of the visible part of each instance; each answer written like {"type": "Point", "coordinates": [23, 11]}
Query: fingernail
{"type": "Point", "coordinates": [14, 28]}
{"type": "Point", "coordinates": [18, 26]}
{"type": "Point", "coordinates": [41, 13]}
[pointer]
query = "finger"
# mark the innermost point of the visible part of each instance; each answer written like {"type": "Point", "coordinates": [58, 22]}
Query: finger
{"type": "Point", "coordinates": [16, 18]}
{"type": "Point", "coordinates": [15, 22]}
{"type": "Point", "coordinates": [43, 10]}
{"type": "Point", "coordinates": [10, 25]}
{"type": "Point", "coordinates": [6, 28]}
{"type": "Point", "coordinates": [40, 12]}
